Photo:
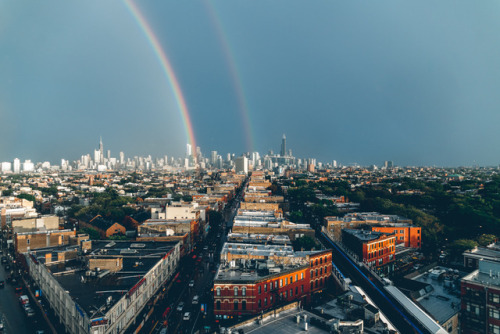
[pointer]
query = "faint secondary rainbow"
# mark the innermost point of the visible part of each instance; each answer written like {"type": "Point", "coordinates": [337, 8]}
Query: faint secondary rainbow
{"type": "Point", "coordinates": [166, 67]}
{"type": "Point", "coordinates": [243, 105]}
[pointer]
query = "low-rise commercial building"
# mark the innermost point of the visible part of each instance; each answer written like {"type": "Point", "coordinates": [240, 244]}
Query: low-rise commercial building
{"type": "Point", "coordinates": [101, 287]}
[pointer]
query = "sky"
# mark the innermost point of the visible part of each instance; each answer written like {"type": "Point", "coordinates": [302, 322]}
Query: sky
{"type": "Point", "coordinates": [361, 82]}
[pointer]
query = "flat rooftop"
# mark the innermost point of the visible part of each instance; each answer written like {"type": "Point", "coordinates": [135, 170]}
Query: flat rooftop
{"type": "Point", "coordinates": [254, 238]}
{"type": "Point", "coordinates": [492, 253]}
{"type": "Point", "coordinates": [92, 292]}
{"type": "Point", "coordinates": [257, 249]}
{"type": "Point", "coordinates": [488, 274]}
{"type": "Point", "coordinates": [441, 297]}
{"type": "Point", "coordinates": [364, 235]}
{"type": "Point", "coordinates": [285, 323]}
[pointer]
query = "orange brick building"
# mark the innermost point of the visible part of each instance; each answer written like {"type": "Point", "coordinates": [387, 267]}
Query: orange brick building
{"type": "Point", "coordinates": [411, 236]}
{"type": "Point", "coordinates": [376, 249]}
{"type": "Point", "coordinates": [239, 292]}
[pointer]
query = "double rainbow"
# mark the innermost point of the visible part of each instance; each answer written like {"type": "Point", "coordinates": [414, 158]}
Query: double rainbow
{"type": "Point", "coordinates": [166, 67]}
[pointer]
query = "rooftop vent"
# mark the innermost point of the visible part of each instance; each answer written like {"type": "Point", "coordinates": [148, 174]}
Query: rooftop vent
{"type": "Point", "coordinates": [129, 251]}
{"type": "Point", "coordinates": [135, 245]}
{"type": "Point", "coordinates": [111, 244]}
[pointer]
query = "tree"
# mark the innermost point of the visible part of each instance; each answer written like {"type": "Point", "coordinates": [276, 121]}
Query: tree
{"type": "Point", "coordinates": [486, 239]}
{"type": "Point", "coordinates": [305, 242]}
{"type": "Point", "coordinates": [27, 197]}
{"type": "Point", "coordinates": [296, 216]}
{"type": "Point", "coordinates": [457, 247]}
{"type": "Point", "coordinates": [93, 233]}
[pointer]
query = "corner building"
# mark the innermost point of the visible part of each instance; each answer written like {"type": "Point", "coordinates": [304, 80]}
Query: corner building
{"type": "Point", "coordinates": [260, 278]}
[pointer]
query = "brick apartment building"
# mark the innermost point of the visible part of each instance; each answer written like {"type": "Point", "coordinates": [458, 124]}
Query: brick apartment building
{"type": "Point", "coordinates": [251, 283]}
{"type": "Point", "coordinates": [375, 248]}
{"type": "Point", "coordinates": [480, 299]}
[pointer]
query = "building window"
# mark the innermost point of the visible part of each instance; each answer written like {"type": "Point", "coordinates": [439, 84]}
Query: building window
{"type": "Point", "coordinates": [271, 299]}
{"type": "Point", "coordinates": [235, 305]}
{"type": "Point", "coordinates": [302, 288]}
{"type": "Point", "coordinates": [244, 305]}
{"type": "Point", "coordinates": [286, 281]}
{"type": "Point", "coordinates": [296, 290]}
{"type": "Point", "coordinates": [265, 287]}
{"type": "Point", "coordinates": [316, 272]}
{"type": "Point", "coordinates": [296, 277]}
{"type": "Point", "coordinates": [494, 329]}
{"type": "Point", "coordinates": [244, 291]}
{"type": "Point", "coordinates": [291, 292]}
{"type": "Point", "coordinates": [235, 291]}
{"type": "Point", "coordinates": [276, 284]}
{"type": "Point", "coordinates": [326, 270]}
{"type": "Point", "coordinates": [218, 291]}
{"type": "Point", "coordinates": [260, 289]}
{"type": "Point", "coordinates": [312, 285]}
{"type": "Point", "coordinates": [494, 298]}
{"type": "Point", "coordinates": [291, 279]}
{"type": "Point", "coordinates": [320, 260]}
{"type": "Point", "coordinates": [316, 261]}
{"type": "Point", "coordinates": [286, 294]}
{"type": "Point", "coordinates": [312, 273]}
{"type": "Point", "coordinates": [321, 271]}
{"type": "Point", "coordinates": [281, 295]}
{"type": "Point", "coordinates": [218, 304]}
{"type": "Point", "coordinates": [301, 276]}
{"type": "Point", "coordinates": [316, 284]}
{"type": "Point", "coordinates": [494, 313]}
{"type": "Point", "coordinates": [265, 301]}
{"type": "Point", "coordinates": [281, 283]}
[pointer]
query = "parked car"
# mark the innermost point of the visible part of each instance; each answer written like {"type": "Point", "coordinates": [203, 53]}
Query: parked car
{"type": "Point", "coordinates": [180, 307]}
{"type": "Point", "coordinates": [191, 283]}
{"type": "Point", "coordinates": [187, 316]}
{"type": "Point", "coordinates": [24, 300]}
{"type": "Point", "coordinates": [29, 311]}
{"type": "Point", "coordinates": [196, 299]}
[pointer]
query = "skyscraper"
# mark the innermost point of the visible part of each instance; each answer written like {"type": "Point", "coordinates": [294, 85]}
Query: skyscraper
{"type": "Point", "coordinates": [189, 150]}
{"type": "Point", "coordinates": [283, 146]}
{"type": "Point", "coordinates": [101, 151]}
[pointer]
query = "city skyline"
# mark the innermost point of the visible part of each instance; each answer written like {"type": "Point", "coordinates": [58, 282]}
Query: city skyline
{"type": "Point", "coordinates": [410, 85]}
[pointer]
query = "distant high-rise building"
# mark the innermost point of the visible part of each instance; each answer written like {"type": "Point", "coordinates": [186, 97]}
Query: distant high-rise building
{"type": "Point", "coordinates": [189, 150]}
{"type": "Point", "coordinates": [28, 166]}
{"type": "Point", "coordinates": [122, 158]}
{"type": "Point", "coordinates": [283, 146]}
{"type": "Point", "coordinates": [97, 156]}
{"type": "Point", "coordinates": [213, 157]}
{"type": "Point", "coordinates": [6, 167]}
{"type": "Point", "coordinates": [17, 165]}
{"type": "Point", "coordinates": [101, 151]}
{"type": "Point", "coordinates": [241, 165]}
{"type": "Point", "coordinates": [388, 164]}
